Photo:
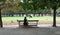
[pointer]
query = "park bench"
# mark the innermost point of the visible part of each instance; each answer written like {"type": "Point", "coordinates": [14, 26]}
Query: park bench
{"type": "Point", "coordinates": [30, 22]}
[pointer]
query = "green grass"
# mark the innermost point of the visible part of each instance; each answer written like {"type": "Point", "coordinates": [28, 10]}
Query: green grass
{"type": "Point", "coordinates": [43, 19]}
{"type": "Point", "coordinates": [21, 18]}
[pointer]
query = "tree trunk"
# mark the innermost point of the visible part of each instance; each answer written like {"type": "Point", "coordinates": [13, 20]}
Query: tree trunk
{"type": "Point", "coordinates": [41, 14]}
{"type": "Point", "coordinates": [54, 18]}
{"type": "Point", "coordinates": [34, 14]}
{"type": "Point", "coordinates": [1, 25]}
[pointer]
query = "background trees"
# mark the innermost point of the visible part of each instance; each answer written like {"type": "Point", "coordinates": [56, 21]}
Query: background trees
{"type": "Point", "coordinates": [42, 4]}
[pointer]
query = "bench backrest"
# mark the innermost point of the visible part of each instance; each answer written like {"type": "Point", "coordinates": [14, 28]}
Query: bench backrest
{"type": "Point", "coordinates": [28, 20]}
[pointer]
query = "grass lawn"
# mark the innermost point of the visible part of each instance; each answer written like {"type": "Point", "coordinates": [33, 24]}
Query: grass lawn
{"type": "Point", "coordinates": [33, 18]}
{"type": "Point", "coordinates": [42, 19]}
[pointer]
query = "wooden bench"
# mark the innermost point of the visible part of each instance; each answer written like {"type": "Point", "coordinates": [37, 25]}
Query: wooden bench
{"type": "Point", "coordinates": [34, 21]}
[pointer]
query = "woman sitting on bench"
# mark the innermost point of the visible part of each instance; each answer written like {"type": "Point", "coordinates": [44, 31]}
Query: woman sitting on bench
{"type": "Point", "coordinates": [25, 22]}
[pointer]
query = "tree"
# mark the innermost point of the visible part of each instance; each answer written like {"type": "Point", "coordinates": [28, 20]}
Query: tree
{"type": "Point", "coordinates": [13, 5]}
{"type": "Point", "coordinates": [1, 6]}
{"type": "Point", "coordinates": [54, 4]}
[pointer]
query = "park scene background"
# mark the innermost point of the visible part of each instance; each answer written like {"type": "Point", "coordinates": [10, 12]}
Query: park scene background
{"type": "Point", "coordinates": [47, 12]}
{"type": "Point", "coordinates": [16, 15]}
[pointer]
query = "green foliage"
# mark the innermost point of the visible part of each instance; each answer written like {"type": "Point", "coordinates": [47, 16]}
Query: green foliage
{"type": "Point", "coordinates": [36, 5]}
{"type": "Point", "coordinates": [2, 0]}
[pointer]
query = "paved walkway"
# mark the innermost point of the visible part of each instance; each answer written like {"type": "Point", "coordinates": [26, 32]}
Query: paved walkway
{"type": "Point", "coordinates": [30, 31]}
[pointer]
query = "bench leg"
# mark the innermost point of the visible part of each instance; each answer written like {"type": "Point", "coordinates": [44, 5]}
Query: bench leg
{"type": "Point", "coordinates": [19, 24]}
{"type": "Point", "coordinates": [36, 24]}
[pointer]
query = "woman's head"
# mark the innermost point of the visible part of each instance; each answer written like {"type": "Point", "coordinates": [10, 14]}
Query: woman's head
{"type": "Point", "coordinates": [25, 17]}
